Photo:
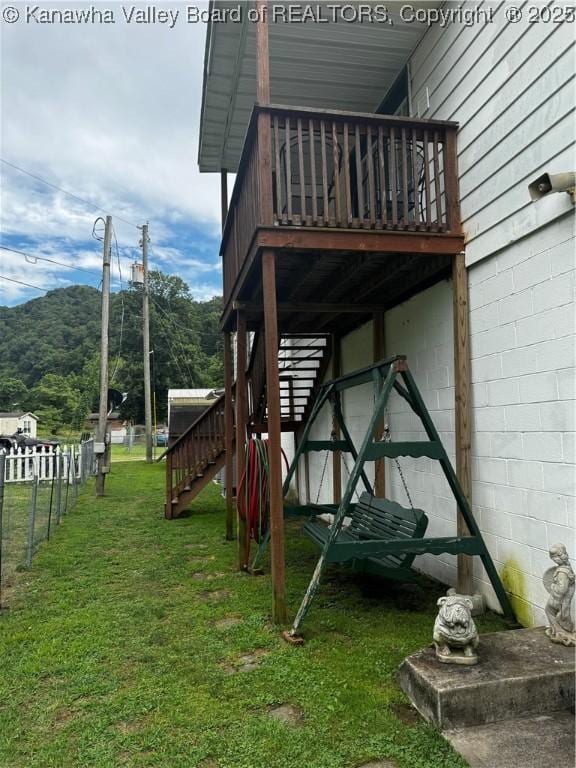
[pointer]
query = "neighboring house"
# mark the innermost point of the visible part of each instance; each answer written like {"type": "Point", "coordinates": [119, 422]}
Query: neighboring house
{"type": "Point", "coordinates": [18, 421]}
{"type": "Point", "coordinates": [412, 234]}
{"type": "Point", "coordinates": [114, 421]}
{"type": "Point", "coordinates": [184, 407]}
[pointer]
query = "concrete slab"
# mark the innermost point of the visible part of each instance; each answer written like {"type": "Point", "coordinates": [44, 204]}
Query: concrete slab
{"type": "Point", "coordinates": [534, 742]}
{"type": "Point", "coordinates": [520, 673]}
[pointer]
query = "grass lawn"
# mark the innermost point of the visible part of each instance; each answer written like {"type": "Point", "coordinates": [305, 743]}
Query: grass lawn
{"type": "Point", "coordinates": [125, 644]}
{"type": "Point", "coordinates": [120, 452]}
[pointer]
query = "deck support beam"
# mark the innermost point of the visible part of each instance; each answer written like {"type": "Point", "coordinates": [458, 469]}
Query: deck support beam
{"type": "Point", "coordinates": [229, 437]}
{"type": "Point", "coordinates": [336, 455]}
{"type": "Point", "coordinates": [224, 196]}
{"type": "Point", "coordinates": [378, 353]}
{"type": "Point", "coordinates": [274, 437]}
{"type": "Point", "coordinates": [462, 408]}
{"type": "Point", "coordinates": [241, 422]}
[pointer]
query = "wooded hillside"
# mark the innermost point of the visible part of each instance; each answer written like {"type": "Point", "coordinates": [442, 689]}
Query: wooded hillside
{"type": "Point", "coordinates": [49, 350]}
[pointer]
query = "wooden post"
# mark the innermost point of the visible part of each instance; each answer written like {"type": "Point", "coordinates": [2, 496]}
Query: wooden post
{"type": "Point", "coordinates": [241, 419]}
{"type": "Point", "coordinates": [262, 53]}
{"type": "Point", "coordinates": [451, 182]}
{"type": "Point", "coordinates": [264, 124]}
{"type": "Point", "coordinates": [274, 436]}
{"type": "Point", "coordinates": [224, 195]}
{"type": "Point", "coordinates": [307, 476]}
{"type": "Point", "coordinates": [229, 437]}
{"type": "Point", "coordinates": [298, 472]}
{"type": "Point", "coordinates": [462, 408]}
{"type": "Point", "coordinates": [336, 455]}
{"type": "Point", "coordinates": [378, 353]}
{"type": "Point", "coordinates": [103, 461]}
{"type": "Point", "coordinates": [168, 501]}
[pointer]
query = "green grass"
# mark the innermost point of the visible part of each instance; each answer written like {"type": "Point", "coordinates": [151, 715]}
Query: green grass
{"type": "Point", "coordinates": [16, 524]}
{"type": "Point", "coordinates": [110, 655]}
{"type": "Point", "coordinates": [122, 453]}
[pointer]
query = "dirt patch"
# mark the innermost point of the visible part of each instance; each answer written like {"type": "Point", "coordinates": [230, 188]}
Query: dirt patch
{"type": "Point", "coordinates": [406, 713]}
{"type": "Point", "coordinates": [201, 559]}
{"type": "Point", "coordinates": [287, 713]}
{"type": "Point", "coordinates": [63, 717]}
{"type": "Point", "coordinates": [195, 546]}
{"type": "Point", "coordinates": [214, 595]}
{"type": "Point", "coordinates": [130, 727]}
{"type": "Point", "coordinates": [202, 576]}
{"type": "Point", "coordinates": [247, 662]}
{"type": "Point", "coordinates": [228, 622]}
{"type": "Point", "coordinates": [387, 763]}
{"type": "Point", "coordinates": [208, 762]}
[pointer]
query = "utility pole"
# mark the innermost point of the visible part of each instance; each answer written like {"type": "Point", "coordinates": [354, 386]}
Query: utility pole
{"type": "Point", "coordinates": [102, 447]}
{"type": "Point", "coordinates": [146, 338]}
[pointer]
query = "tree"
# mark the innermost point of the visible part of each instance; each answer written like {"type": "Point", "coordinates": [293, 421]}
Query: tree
{"type": "Point", "coordinates": [55, 400]}
{"type": "Point", "coordinates": [58, 335]}
{"type": "Point", "coordinates": [12, 390]}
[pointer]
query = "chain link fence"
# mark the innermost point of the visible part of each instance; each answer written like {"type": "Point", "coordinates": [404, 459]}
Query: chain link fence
{"type": "Point", "coordinates": [36, 491]}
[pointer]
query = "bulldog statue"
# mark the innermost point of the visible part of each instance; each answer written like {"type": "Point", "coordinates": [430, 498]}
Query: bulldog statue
{"type": "Point", "coordinates": [455, 634]}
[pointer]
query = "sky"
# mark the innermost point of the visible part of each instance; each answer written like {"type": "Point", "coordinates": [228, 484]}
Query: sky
{"type": "Point", "coordinates": [110, 113]}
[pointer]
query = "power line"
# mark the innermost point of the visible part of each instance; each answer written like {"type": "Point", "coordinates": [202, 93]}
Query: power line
{"type": "Point", "coordinates": [65, 191]}
{"type": "Point", "coordinates": [51, 261]}
{"type": "Point", "coordinates": [28, 285]}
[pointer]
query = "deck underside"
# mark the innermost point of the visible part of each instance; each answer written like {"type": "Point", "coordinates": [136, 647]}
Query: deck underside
{"type": "Point", "coordinates": [310, 280]}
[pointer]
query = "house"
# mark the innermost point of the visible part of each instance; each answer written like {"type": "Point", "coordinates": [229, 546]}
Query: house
{"type": "Point", "coordinates": [114, 421]}
{"type": "Point", "coordinates": [184, 407]}
{"type": "Point", "coordinates": [381, 205]}
{"type": "Point", "coordinates": [18, 421]}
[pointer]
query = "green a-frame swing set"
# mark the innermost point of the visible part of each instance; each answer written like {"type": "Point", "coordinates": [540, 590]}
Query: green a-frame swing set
{"type": "Point", "coordinates": [382, 533]}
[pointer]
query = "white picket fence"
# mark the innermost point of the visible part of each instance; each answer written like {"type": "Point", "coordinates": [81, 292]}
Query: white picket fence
{"type": "Point", "coordinates": [71, 463]}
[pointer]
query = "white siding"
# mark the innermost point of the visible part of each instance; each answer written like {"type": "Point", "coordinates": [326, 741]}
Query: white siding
{"type": "Point", "coordinates": [511, 88]}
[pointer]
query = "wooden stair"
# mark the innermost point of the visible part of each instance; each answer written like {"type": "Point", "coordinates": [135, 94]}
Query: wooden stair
{"type": "Point", "coordinates": [194, 459]}
{"type": "Point", "coordinates": [200, 452]}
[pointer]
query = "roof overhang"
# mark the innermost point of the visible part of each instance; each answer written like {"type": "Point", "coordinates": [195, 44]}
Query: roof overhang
{"type": "Point", "coordinates": [319, 63]}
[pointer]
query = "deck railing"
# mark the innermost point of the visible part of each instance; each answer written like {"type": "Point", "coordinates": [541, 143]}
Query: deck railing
{"type": "Point", "coordinates": [341, 170]}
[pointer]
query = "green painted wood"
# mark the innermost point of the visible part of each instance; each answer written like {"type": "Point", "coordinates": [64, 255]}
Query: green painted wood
{"type": "Point", "coordinates": [304, 510]}
{"type": "Point", "coordinates": [417, 449]}
{"type": "Point", "coordinates": [384, 537]}
{"type": "Point", "coordinates": [375, 522]}
{"type": "Point", "coordinates": [421, 411]}
{"type": "Point", "coordinates": [348, 550]}
{"type": "Point", "coordinates": [363, 375]}
{"type": "Point", "coordinates": [321, 399]}
{"type": "Point", "coordinates": [326, 445]}
{"type": "Point", "coordinates": [344, 430]}
{"type": "Point", "coordinates": [344, 508]}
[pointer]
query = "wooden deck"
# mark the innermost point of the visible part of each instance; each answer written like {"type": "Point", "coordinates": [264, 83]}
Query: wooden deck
{"type": "Point", "coordinates": [358, 209]}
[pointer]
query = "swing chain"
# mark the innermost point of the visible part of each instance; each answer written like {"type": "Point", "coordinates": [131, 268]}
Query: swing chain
{"type": "Point", "coordinates": [387, 438]}
{"type": "Point", "coordinates": [333, 438]}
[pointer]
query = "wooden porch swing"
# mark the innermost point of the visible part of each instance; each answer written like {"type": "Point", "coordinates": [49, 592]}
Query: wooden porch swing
{"type": "Point", "coordinates": [382, 536]}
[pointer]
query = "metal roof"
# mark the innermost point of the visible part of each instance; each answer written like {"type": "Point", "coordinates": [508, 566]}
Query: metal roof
{"type": "Point", "coordinates": [328, 65]}
{"type": "Point", "coordinates": [185, 393]}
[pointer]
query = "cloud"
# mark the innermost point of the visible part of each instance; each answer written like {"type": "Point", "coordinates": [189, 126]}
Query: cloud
{"type": "Point", "coordinates": [110, 113]}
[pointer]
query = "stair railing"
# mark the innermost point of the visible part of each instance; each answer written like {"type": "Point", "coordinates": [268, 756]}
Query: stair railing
{"type": "Point", "coordinates": [195, 449]}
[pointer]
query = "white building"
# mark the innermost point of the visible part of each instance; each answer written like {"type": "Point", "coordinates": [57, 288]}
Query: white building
{"type": "Point", "coordinates": [18, 421]}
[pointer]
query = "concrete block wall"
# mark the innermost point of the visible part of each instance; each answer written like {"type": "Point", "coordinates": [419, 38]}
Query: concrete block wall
{"type": "Point", "coordinates": [522, 348]}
